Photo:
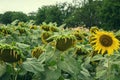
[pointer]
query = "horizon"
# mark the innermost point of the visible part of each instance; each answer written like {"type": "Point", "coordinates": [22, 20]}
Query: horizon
{"type": "Point", "coordinates": [26, 6]}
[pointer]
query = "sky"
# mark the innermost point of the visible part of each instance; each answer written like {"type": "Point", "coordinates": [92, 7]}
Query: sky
{"type": "Point", "coordinates": [26, 6]}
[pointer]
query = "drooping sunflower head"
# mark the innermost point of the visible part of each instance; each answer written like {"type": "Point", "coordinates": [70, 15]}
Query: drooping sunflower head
{"type": "Point", "coordinates": [49, 27]}
{"type": "Point", "coordinates": [21, 30]}
{"type": "Point", "coordinates": [104, 42]}
{"type": "Point", "coordinates": [54, 29]}
{"type": "Point", "coordinates": [64, 42]}
{"type": "Point", "coordinates": [45, 27]}
{"type": "Point", "coordinates": [33, 27]}
{"type": "Point", "coordinates": [5, 30]}
{"type": "Point", "coordinates": [44, 37]}
{"type": "Point", "coordinates": [10, 54]}
{"type": "Point", "coordinates": [79, 36]}
{"type": "Point", "coordinates": [94, 29]}
{"type": "Point", "coordinates": [37, 51]}
{"type": "Point", "coordinates": [22, 24]}
{"type": "Point", "coordinates": [80, 50]}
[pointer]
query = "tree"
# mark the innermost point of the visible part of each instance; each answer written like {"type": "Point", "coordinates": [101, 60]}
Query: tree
{"type": "Point", "coordinates": [67, 10]}
{"type": "Point", "coordinates": [48, 14]}
{"type": "Point", "coordinates": [19, 16]}
{"type": "Point", "coordinates": [32, 16]}
{"type": "Point", "coordinates": [40, 16]}
{"type": "Point", "coordinates": [83, 13]}
{"type": "Point", "coordinates": [7, 17]}
{"type": "Point", "coordinates": [110, 14]}
{"type": "Point", "coordinates": [89, 13]}
{"type": "Point", "coordinates": [53, 14]}
{"type": "Point", "coordinates": [10, 16]}
{"type": "Point", "coordinates": [0, 17]}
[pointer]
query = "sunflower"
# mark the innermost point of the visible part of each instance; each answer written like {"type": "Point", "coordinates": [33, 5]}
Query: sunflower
{"type": "Point", "coordinates": [64, 42]}
{"type": "Point", "coordinates": [104, 42]}
{"type": "Point", "coordinates": [81, 50]}
{"type": "Point", "coordinates": [37, 51]}
{"type": "Point", "coordinates": [45, 37]}
{"type": "Point", "coordinates": [45, 27]}
{"type": "Point", "coordinates": [10, 54]}
{"type": "Point", "coordinates": [79, 36]}
{"type": "Point", "coordinates": [93, 30]}
{"type": "Point", "coordinates": [54, 29]}
{"type": "Point", "coordinates": [33, 27]}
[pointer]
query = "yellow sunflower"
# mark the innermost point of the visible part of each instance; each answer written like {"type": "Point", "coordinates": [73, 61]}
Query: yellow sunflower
{"type": "Point", "coordinates": [104, 42]}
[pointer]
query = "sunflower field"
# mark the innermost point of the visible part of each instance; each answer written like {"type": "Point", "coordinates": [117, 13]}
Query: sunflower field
{"type": "Point", "coordinates": [52, 52]}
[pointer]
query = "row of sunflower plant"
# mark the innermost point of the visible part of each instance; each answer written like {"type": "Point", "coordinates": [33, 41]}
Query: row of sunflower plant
{"type": "Point", "coordinates": [51, 52]}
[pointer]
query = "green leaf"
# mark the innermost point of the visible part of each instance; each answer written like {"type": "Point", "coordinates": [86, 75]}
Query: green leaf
{"type": "Point", "coordinates": [22, 45]}
{"type": "Point", "coordinates": [84, 71]}
{"type": "Point", "coordinates": [48, 54]}
{"type": "Point", "coordinates": [69, 64]}
{"type": "Point", "coordinates": [97, 57]}
{"type": "Point", "coordinates": [100, 73]}
{"type": "Point", "coordinates": [2, 69]}
{"type": "Point", "coordinates": [33, 65]}
{"type": "Point", "coordinates": [52, 74]}
{"type": "Point", "coordinates": [87, 60]}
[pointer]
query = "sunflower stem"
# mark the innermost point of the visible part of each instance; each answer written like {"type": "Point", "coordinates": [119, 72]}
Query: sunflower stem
{"type": "Point", "coordinates": [108, 69]}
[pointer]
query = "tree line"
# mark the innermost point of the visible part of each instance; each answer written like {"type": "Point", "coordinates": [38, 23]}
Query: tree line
{"type": "Point", "coordinates": [101, 13]}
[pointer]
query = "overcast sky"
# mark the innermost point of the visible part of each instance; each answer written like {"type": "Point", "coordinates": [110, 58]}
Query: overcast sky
{"type": "Point", "coordinates": [26, 6]}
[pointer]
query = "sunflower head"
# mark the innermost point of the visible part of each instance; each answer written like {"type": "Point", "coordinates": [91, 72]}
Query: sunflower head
{"type": "Point", "coordinates": [54, 29]}
{"type": "Point", "coordinates": [78, 36]}
{"type": "Point", "coordinates": [33, 27]}
{"type": "Point", "coordinates": [81, 50]}
{"type": "Point", "coordinates": [5, 30]}
{"type": "Point", "coordinates": [104, 42]}
{"type": "Point", "coordinates": [10, 54]}
{"type": "Point", "coordinates": [37, 51]}
{"type": "Point", "coordinates": [22, 24]}
{"type": "Point", "coordinates": [44, 37]}
{"type": "Point", "coordinates": [94, 29]}
{"type": "Point", "coordinates": [64, 42]}
{"type": "Point", "coordinates": [45, 27]}
{"type": "Point", "coordinates": [21, 30]}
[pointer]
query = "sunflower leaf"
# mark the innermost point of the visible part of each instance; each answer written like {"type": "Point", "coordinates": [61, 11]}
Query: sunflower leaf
{"type": "Point", "coordinates": [97, 57]}
{"type": "Point", "coordinates": [100, 73]}
{"type": "Point", "coordinates": [33, 65]}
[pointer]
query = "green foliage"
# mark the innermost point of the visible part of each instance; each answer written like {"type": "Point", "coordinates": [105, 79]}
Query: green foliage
{"type": "Point", "coordinates": [6, 17]}
{"type": "Point", "coordinates": [19, 16]}
{"type": "Point", "coordinates": [79, 62]}
{"type": "Point", "coordinates": [76, 61]}
{"type": "Point", "coordinates": [10, 16]}
{"type": "Point", "coordinates": [2, 69]}
{"type": "Point", "coordinates": [109, 14]}
{"type": "Point", "coordinates": [48, 14]}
